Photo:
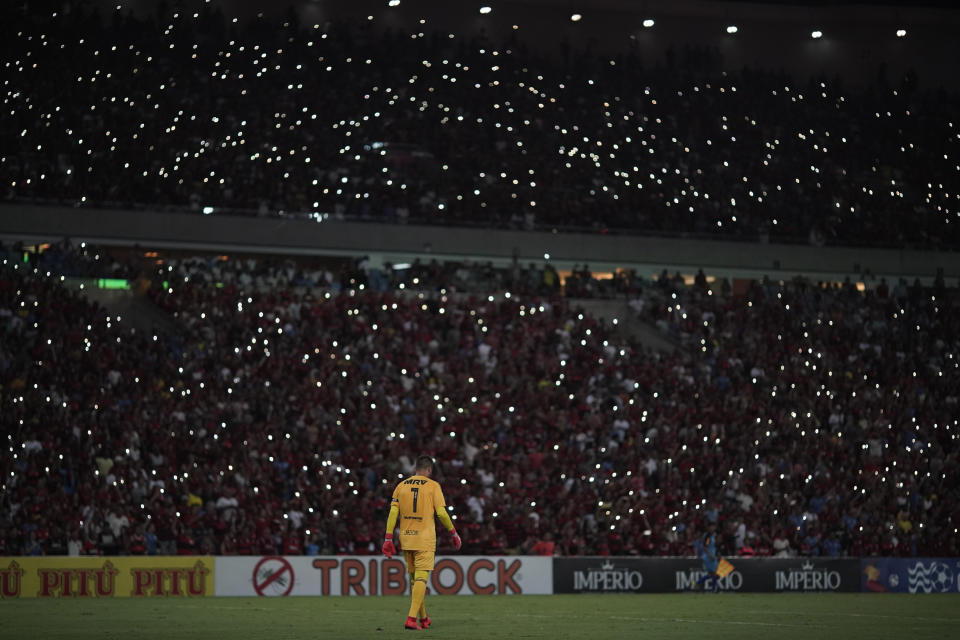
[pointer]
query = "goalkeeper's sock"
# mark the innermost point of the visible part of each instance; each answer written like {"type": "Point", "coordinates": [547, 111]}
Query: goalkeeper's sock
{"type": "Point", "coordinates": [418, 592]}
{"type": "Point", "coordinates": [422, 612]}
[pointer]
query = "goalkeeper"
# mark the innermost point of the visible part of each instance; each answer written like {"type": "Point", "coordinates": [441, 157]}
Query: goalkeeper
{"type": "Point", "coordinates": [415, 501]}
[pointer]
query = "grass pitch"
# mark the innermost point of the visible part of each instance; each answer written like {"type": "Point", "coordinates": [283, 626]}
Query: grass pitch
{"type": "Point", "coordinates": [558, 617]}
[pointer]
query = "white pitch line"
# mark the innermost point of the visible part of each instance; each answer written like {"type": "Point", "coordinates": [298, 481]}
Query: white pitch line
{"type": "Point", "coordinates": [686, 620]}
{"type": "Point", "coordinates": [221, 608]}
{"type": "Point", "coordinates": [351, 612]}
{"type": "Point", "coordinates": [641, 619]}
{"type": "Point", "coordinates": [744, 622]}
{"type": "Point", "coordinates": [855, 615]}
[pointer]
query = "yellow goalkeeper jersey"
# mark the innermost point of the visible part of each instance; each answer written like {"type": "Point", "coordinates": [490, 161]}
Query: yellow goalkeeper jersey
{"type": "Point", "coordinates": [418, 498]}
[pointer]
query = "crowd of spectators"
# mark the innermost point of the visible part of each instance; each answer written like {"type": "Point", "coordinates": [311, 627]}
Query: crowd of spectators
{"type": "Point", "coordinates": [800, 418]}
{"type": "Point", "coordinates": [197, 111]}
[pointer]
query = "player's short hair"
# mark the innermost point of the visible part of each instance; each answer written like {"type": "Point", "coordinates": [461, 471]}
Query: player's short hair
{"type": "Point", "coordinates": [424, 463]}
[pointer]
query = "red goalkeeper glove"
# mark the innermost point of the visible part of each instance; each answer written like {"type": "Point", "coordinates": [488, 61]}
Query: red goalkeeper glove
{"type": "Point", "coordinates": [388, 548]}
{"type": "Point", "coordinates": [455, 537]}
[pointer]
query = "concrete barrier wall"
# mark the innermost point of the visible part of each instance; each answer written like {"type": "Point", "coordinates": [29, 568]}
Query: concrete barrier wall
{"type": "Point", "coordinates": [401, 243]}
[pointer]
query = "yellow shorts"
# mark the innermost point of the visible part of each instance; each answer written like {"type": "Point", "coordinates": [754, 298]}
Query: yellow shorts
{"type": "Point", "coordinates": [418, 560]}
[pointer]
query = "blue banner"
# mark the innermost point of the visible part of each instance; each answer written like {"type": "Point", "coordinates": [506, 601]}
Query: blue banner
{"type": "Point", "coordinates": [910, 575]}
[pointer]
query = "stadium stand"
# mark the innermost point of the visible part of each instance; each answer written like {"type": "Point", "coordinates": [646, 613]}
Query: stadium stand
{"type": "Point", "coordinates": [349, 121]}
{"type": "Point", "coordinates": [802, 418]}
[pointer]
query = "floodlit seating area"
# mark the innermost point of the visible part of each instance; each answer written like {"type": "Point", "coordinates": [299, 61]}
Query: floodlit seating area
{"type": "Point", "coordinates": [278, 409]}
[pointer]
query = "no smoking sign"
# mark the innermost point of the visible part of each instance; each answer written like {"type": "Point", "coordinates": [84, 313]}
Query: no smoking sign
{"type": "Point", "coordinates": [273, 576]}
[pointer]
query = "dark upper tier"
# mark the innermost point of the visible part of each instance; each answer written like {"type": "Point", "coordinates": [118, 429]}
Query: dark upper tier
{"type": "Point", "coordinates": [271, 118]}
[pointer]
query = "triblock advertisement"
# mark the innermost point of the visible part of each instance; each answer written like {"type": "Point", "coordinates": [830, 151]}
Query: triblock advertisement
{"type": "Point", "coordinates": [376, 575]}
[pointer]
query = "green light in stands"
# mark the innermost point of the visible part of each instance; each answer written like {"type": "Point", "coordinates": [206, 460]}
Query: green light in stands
{"type": "Point", "coordinates": [113, 283]}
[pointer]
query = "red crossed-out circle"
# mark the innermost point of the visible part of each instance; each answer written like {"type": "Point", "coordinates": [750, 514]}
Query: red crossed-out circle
{"type": "Point", "coordinates": [271, 573]}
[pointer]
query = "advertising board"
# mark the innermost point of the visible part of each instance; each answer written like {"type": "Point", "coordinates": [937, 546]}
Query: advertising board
{"type": "Point", "coordinates": [106, 577]}
{"type": "Point", "coordinates": [376, 575]}
{"type": "Point", "coordinates": [910, 575]}
{"type": "Point", "coordinates": [664, 575]}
